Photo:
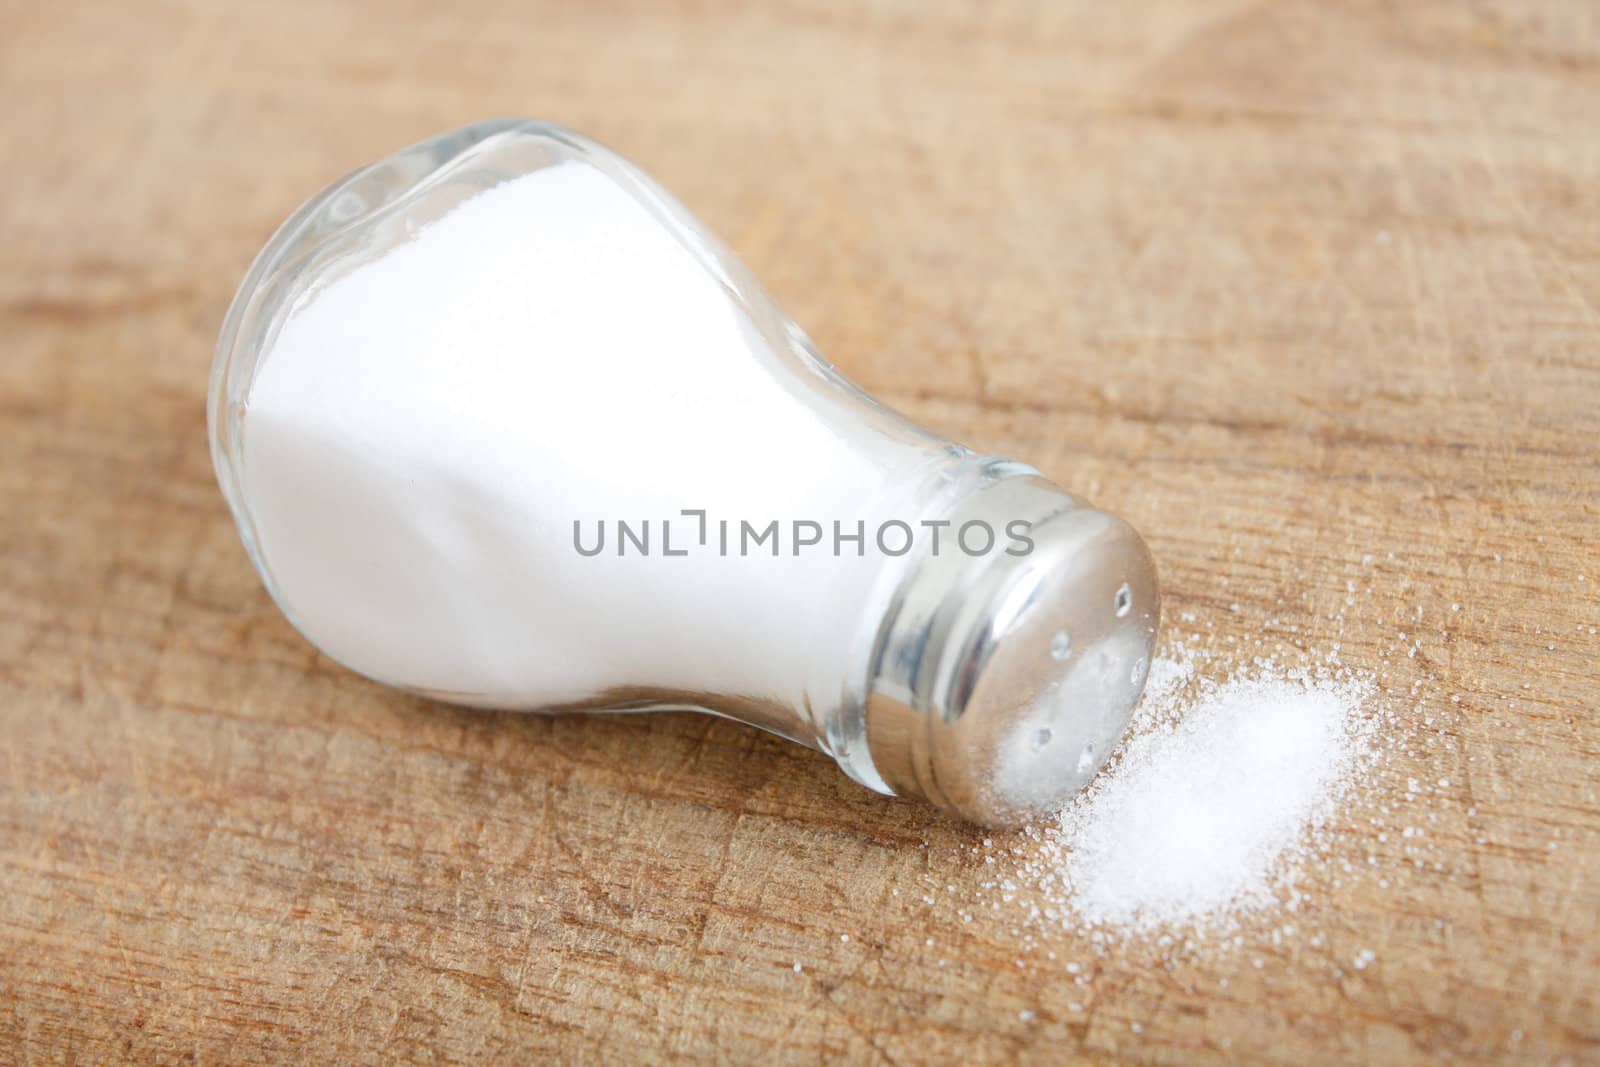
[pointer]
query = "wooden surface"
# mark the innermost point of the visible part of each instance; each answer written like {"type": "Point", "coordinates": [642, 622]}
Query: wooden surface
{"type": "Point", "coordinates": [1288, 285]}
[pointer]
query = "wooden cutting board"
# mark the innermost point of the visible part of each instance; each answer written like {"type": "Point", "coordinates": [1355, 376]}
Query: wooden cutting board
{"type": "Point", "coordinates": [1309, 292]}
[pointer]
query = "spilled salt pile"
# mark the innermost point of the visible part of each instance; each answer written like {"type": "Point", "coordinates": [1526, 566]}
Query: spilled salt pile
{"type": "Point", "coordinates": [1214, 804]}
{"type": "Point", "coordinates": [1264, 786]}
{"type": "Point", "coordinates": [1200, 812]}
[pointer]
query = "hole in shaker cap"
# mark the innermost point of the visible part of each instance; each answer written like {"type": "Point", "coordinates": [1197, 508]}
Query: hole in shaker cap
{"type": "Point", "coordinates": [1041, 738]}
{"type": "Point", "coordinates": [1123, 601]}
{"type": "Point", "coordinates": [1086, 759]}
{"type": "Point", "coordinates": [1061, 645]}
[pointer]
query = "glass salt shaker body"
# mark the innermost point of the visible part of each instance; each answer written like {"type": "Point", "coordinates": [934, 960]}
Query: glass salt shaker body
{"type": "Point", "coordinates": [424, 521]}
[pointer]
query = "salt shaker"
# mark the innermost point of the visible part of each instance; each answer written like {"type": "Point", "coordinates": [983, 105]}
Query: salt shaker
{"type": "Point", "coordinates": [501, 423]}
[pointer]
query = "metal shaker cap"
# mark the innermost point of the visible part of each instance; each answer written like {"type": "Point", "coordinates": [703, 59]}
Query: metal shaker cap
{"type": "Point", "coordinates": [1000, 684]}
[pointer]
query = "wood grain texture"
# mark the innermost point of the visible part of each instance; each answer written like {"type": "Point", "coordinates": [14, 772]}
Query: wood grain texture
{"type": "Point", "coordinates": [1286, 284]}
